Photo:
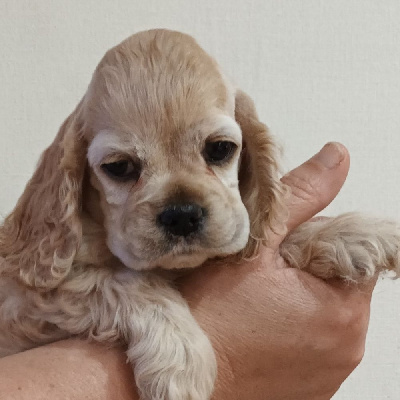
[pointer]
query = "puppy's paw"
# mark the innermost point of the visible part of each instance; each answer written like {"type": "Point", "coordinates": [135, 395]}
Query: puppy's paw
{"type": "Point", "coordinates": [351, 246]}
{"type": "Point", "coordinates": [174, 363]}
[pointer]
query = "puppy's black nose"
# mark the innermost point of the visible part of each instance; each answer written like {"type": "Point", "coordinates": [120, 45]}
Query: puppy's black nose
{"type": "Point", "coordinates": [182, 219]}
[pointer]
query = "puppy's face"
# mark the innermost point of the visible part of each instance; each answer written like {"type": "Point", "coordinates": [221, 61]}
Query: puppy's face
{"type": "Point", "coordinates": [164, 154]}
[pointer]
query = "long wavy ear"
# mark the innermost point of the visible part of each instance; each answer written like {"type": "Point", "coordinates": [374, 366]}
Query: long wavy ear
{"type": "Point", "coordinates": [39, 239]}
{"type": "Point", "coordinates": [259, 184]}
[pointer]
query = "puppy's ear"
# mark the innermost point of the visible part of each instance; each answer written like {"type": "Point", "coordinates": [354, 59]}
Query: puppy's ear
{"type": "Point", "coordinates": [259, 184]}
{"type": "Point", "coordinates": [39, 239]}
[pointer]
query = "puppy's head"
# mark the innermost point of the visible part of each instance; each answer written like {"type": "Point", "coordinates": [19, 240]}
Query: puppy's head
{"type": "Point", "coordinates": [180, 165]}
{"type": "Point", "coordinates": [165, 146]}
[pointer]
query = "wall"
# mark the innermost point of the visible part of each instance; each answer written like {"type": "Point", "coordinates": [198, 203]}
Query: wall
{"type": "Point", "coordinates": [318, 71]}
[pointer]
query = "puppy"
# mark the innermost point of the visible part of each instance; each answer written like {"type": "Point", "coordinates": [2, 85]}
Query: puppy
{"type": "Point", "coordinates": [162, 165]}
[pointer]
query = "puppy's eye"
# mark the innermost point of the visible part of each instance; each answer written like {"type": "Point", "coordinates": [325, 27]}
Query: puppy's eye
{"type": "Point", "coordinates": [123, 170]}
{"type": "Point", "coordinates": [219, 152]}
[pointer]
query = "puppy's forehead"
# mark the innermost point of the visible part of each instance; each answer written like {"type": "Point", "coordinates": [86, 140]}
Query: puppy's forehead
{"type": "Point", "coordinates": [155, 82]}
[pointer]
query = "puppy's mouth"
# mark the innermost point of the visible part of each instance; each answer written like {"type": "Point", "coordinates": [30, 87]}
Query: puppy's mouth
{"type": "Point", "coordinates": [182, 252]}
{"type": "Point", "coordinates": [194, 250]}
{"type": "Point", "coordinates": [185, 244]}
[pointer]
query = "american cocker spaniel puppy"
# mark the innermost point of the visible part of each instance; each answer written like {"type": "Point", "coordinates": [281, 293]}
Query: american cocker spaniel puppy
{"type": "Point", "coordinates": [162, 165]}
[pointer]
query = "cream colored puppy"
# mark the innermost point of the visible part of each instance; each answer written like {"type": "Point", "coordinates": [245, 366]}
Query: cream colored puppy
{"type": "Point", "coordinates": [162, 165]}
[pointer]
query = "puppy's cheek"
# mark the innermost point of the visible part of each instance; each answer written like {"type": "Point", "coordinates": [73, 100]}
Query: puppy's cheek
{"type": "Point", "coordinates": [112, 193]}
{"type": "Point", "coordinates": [134, 236]}
{"type": "Point", "coordinates": [116, 195]}
{"type": "Point", "coordinates": [131, 249]}
{"type": "Point", "coordinates": [228, 224]}
{"type": "Point", "coordinates": [112, 205]}
{"type": "Point", "coordinates": [228, 177]}
{"type": "Point", "coordinates": [121, 250]}
{"type": "Point", "coordinates": [239, 232]}
{"type": "Point", "coordinates": [116, 240]}
{"type": "Point", "coordinates": [242, 230]}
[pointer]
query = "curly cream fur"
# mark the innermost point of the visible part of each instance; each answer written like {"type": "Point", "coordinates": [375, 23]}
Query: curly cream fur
{"type": "Point", "coordinates": [352, 246]}
{"type": "Point", "coordinates": [39, 239]}
{"type": "Point", "coordinates": [77, 254]}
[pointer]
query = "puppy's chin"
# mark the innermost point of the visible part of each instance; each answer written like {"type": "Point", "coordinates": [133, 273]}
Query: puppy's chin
{"type": "Point", "coordinates": [181, 261]}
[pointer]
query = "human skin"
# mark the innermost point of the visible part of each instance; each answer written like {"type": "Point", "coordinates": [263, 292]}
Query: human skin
{"type": "Point", "coordinates": [278, 333]}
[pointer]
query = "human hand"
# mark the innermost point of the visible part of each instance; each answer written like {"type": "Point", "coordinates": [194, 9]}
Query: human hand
{"type": "Point", "coordinates": [280, 333]}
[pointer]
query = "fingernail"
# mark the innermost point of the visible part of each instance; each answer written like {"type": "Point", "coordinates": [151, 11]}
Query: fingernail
{"type": "Point", "coordinates": [331, 155]}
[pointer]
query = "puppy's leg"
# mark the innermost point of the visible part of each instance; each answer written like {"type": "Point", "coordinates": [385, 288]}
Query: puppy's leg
{"type": "Point", "coordinates": [173, 358]}
{"type": "Point", "coordinates": [351, 246]}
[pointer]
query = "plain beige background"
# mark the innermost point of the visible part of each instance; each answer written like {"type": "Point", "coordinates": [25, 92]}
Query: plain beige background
{"type": "Point", "coordinates": [318, 71]}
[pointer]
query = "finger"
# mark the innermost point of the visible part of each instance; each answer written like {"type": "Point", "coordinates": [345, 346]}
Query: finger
{"type": "Point", "coordinates": [316, 183]}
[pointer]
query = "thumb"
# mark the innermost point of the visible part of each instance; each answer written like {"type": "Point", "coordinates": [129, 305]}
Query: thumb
{"type": "Point", "coordinates": [316, 183]}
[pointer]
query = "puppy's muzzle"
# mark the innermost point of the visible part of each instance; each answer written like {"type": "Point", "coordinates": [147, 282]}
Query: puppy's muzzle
{"type": "Point", "coordinates": [182, 219]}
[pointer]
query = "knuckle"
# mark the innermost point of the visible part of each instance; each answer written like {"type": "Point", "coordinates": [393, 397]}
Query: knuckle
{"type": "Point", "coordinates": [358, 355]}
{"type": "Point", "coordinates": [351, 334]}
{"type": "Point", "coordinates": [353, 356]}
